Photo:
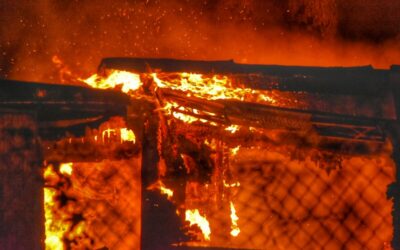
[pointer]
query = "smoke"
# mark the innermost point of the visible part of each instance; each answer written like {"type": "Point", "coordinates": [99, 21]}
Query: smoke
{"type": "Point", "coordinates": [289, 32]}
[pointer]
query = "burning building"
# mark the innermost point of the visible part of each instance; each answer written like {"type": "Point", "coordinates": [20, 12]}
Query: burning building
{"type": "Point", "coordinates": [157, 153]}
{"type": "Point", "coordinates": [232, 156]}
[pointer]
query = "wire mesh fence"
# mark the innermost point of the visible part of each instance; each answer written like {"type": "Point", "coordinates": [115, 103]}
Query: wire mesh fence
{"type": "Point", "coordinates": [284, 203]}
{"type": "Point", "coordinates": [93, 190]}
{"type": "Point", "coordinates": [95, 206]}
{"type": "Point", "coordinates": [287, 194]}
{"type": "Point", "coordinates": [281, 201]}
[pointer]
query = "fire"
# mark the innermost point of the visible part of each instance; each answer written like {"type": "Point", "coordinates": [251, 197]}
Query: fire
{"type": "Point", "coordinates": [54, 228]}
{"type": "Point", "coordinates": [126, 80]}
{"type": "Point", "coordinates": [235, 230]}
{"type": "Point", "coordinates": [167, 191]}
{"type": "Point", "coordinates": [235, 150]}
{"type": "Point", "coordinates": [55, 225]}
{"type": "Point", "coordinates": [49, 172]}
{"type": "Point", "coordinates": [66, 168]}
{"type": "Point", "coordinates": [107, 133]}
{"type": "Point", "coordinates": [159, 185]}
{"type": "Point", "coordinates": [195, 218]}
{"type": "Point", "coordinates": [127, 135]}
{"type": "Point", "coordinates": [229, 185]}
{"type": "Point", "coordinates": [124, 134]}
{"type": "Point", "coordinates": [180, 113]}
{"type": "Point", "coordinates": [232, 128]}
{"type": "Point", "coordinates": [214, 87]}
{"type": "Point", "coordinates": [209, 87]}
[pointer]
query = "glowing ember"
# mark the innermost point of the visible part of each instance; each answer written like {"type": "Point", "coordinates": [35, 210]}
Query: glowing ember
{"type": "Point", "coordinates": [212, 143]}
{"type": "Point", "coordinates": [235, 230]}
{"type": "Point", "coordinates": [127, 135]}
{"type": "Point", "coordinates": [126, 80]}
{"type": "Point", "coordinates": [232, 128]}
{"type": "Point", "coordinates": [49, 172]}
{"type": "Point", "coordinates": [54, 228]}
{"type": "Point", "coordinates": [228, 185]}
{"type": "Point", "coordinates": [167, 191]}
{"type": "Point", "coordinates": [66, 168]}
{"type": "Point", "coordinates": [124, 134]}
{"type": "Point", "coordinates": [194, 218]}
{"type": "Point", "coordinates": [184, 117]}
{"type": "Point", "coordinates": [235, 150]}
{"type": "Point", "coordinates": [159, 185]}
{"type": "Point", "coordinates": [213, 88]}
{"type": "Point", "coordinates": [55, 224]}
{"type": "Point", "coordinates": [172, 108]}
{"type": "Point", "coordinates": [107, 133]}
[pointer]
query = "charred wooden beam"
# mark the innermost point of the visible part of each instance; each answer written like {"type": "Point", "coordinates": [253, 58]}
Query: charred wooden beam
{"type": "Point", "coordinates": [363, 80]}
{"type": "Point", "coordinates": [61, 108]}
{"type": "Point", "coordinates": [262, 116]}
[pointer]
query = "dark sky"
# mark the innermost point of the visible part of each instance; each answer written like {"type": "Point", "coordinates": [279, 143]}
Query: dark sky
{"type": "Point", "coordinates": [290, 32]}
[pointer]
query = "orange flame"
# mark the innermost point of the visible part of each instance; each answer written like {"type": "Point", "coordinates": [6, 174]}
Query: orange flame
{"type": "Point", "coordinates": [54, 228]}
{"type": "Point", "coordinates": [167, 191]}
{"type": "Point", "coordinates": [235, 150]}
{"type": "Point", "coordinates": [127, 135]}
{"type": "Point", "coordinates": [213, 88]}
{"type": "Point", "coordinates": [173, 108]}
{"type": "Point", "coordinates": [126, 80]}
{"type": "Point", "coordinates": [66, 168]}
{"type": "Point", "coordinates": [124, 134]}
{"type": "Point", "coordinates": [56, 224]}
{"type": "Point", "coordinates": [235, 230]}
{"type": "Point", "coordinates": [194, 218]}
{"type": "Point", "coordinates": [230, 185]}
{"type": "Point", "coordinates": [159, 185]}
{"type": "Point", "coordinates": [232, 128]}
{"type": "Point", "coordinates": [107, 133]}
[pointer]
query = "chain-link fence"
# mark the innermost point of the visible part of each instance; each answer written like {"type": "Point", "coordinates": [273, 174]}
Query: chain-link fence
{"type": "Point", "coordinates": [21, 224]}
{"type": "Point", "coordinates": [287, 204]}
{"type": "Point", "coordinates": [284, 197]}
{"type": "Point", "coordinates": [97, 206]}
{"type": "Point", "coordinates": [291, 197]}
{"type": "Point", "coordinates": [93, 190]}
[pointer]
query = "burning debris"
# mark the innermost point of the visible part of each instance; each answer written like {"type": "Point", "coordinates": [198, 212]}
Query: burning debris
{"type": "Point", "coordinates": [82, 198]}
{"type": "Point", "coordinates": [201, 178]}
{"type": "Point", "coordinates": [195, 218]}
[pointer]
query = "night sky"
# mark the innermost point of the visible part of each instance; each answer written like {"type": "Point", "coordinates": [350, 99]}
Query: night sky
{"type": "Point", "coordinates": [289, 32]}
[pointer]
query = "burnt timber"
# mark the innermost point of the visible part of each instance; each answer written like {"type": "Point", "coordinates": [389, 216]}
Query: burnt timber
{"type": "Point", "coordinates": [62, 108]}
{"type": "Point", "coordinates": [365, 83]}
{"type": "Point", "coordinates": [363, 80]}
